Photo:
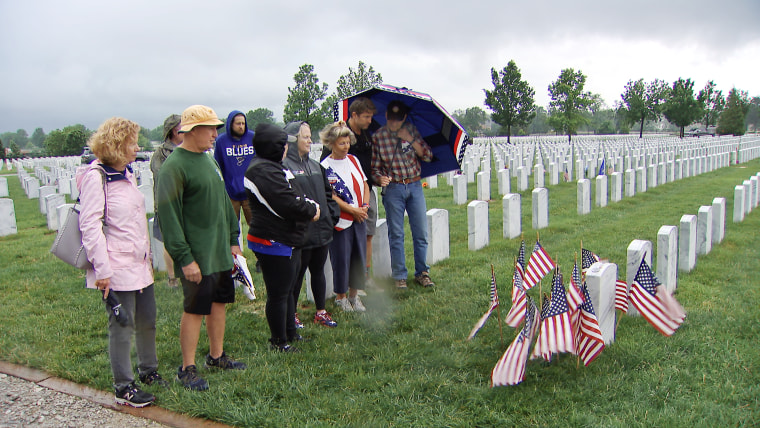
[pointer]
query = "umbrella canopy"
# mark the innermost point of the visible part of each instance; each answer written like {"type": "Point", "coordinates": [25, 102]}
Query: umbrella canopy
{"type": "Point", "coordinates": [447, 139]}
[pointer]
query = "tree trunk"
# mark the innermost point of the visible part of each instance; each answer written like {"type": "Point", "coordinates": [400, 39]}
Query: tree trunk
{"type": "Point", "coordinates": [641, 129]}
{"type": "Point", "coordinates": [509, 132]}
{"type": "Point", "coordinates": [681, 134]}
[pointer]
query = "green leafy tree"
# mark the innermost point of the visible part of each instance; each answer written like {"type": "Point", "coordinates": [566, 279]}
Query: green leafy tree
{"type": "Point", "coordinates": [682, 108]}
{"type": "Point", "coordinates": [569, 102]}
{"type": "Point", "coordinates": [2, 151]}
{"type": "Point", "coordinates": [67, 142]}
{"type": "Point", "coordinates": [473, 119]}
{"type": "Point", "coordinates": [143, 140]}
{"type": "Point", "coordinates": [15, 151]}
{"type": "Point", "coordinates": [752, 119]}
{"type": "Point", "coordinates": [511, 99]}
{"type": "Point", "coordinates": [732, 119]}
{"type": "Point", "coordinates": [539, 124]}
{"type": "Point", "coordinates": [260, 115]}
{"type": "Point", "coordinates": [38, 137]}
{"type": "Point", "coordinates": [303, 98]}
{"type": "Point", "coordinates": [643, 101]}
{"type": "Point", "coordinates": [712, 103]}
{"type": "Point", "coordinates": [357, 80]}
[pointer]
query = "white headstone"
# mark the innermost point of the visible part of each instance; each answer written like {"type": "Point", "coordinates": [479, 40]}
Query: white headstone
{"type": "Point", "coordinates": [477, 225]}
{"type": "Point", "coordinates": [600, 281]}
{"type": "Point", "coordinates": [522, 179]}
{"type": "Point", "coordinates": [381, 251]}
{"type": "Point", "coordinates": [748, 197]}
{"type": "Point", "coordinates": [616, 191]}
{"type": "Point", "coordinates": [74, 190]}
{"type": "Point", "coordinates": [460, 189]}
{"type": "Point", "coordinates": [601, 191]}
{"type": "Point", "coordinates": [740, 195]}
{"type": "Point", "coordinates": [704, 229]}
{"type": "Point", "coordinates": [667, 257]}
{"type": "Point", "coordinates": [538, 175]}
{"type": "Point", "coordinates": [540, 200]}
{"type": "Point", "coordinates": [432, 182]}
{"type": "Point", "coordinates": [156, 248]}
{"type": "Point", "coordinates": [719, 220]}
{"type": "Point", "coordinates": [63, 213]}
{"type": "Point", "coordinates": [511, 215]}
{"type": "Point", "coordinates": [4, 187]}
{"type": "Point", "coordinates": [504, 181]}
{"type": "Point", "coordinates": [755, 190]}
{"type": "Point", "coordinates": [638, 249]}
{"type": "Point", "coordinates": [484, 186]}
{"type": "Point", "coordinates": [147, 192]}
{"type": "Point", "coordinates": [652, 176]}
{"type": "Point", "coordinates": [553, 173]}
{"type": "Point", "coordinates": [584, 196]}
{"type": "Point", "coordinates": [687, 243]}
{"type": "Point", "coordinates": [630, 183]}
{"type": "Point", "coordinates": [45, 191]}
{"type": "Point", "coordinates": [641, 179]}
{"type": "Point", "coordinates": [438, 235]}
{"type": "Point", "coordinates": [7, 218]}
{"type": "Point", "coordinates": [52, 202]}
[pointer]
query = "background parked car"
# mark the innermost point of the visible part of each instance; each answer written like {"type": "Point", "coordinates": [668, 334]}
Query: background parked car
{"type": "Point", "coordinates": [698, 132]}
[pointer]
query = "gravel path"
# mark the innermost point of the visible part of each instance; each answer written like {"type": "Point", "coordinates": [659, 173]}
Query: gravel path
{"type": "Point", "coordinates": [26, 404]}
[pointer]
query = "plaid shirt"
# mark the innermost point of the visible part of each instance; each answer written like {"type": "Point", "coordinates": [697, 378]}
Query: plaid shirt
{"type": "Point", "coordinates": [396, 158]}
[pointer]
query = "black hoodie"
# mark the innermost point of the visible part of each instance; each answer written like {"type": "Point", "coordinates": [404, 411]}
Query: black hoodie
{"type": "Point", "coordinates": [281, 211]}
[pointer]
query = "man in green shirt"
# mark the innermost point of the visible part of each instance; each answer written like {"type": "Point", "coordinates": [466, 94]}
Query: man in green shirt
{"type": "Point", "coordinates": [200, 232]}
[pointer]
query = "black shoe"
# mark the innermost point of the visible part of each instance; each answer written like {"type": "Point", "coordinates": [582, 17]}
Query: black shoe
{"type": "Point", "coordinates": [133, 396]}
{"type": "Point", "coordinates": [282, 346]}
{"type": "Point", "coordinates": [154, 377]}
{"type": "Point", "coordinates": [258, 266]}
{"type": "Point", "coordinates": [114, 306]}
{"type": "Point", "coordinates": [189, 379]}
{"type": "Point", "coordinates": [223, 362]}
{"type": "Point", "coordinates": [298, 338]}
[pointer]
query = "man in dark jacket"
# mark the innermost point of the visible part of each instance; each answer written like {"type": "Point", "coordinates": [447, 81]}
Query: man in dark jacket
{"type": "Point", "coordinates": [233, 152]}
{"type": "Point", "coordinates": [280, 216]}
{"type": "Point", "coordinates": [311, 177]}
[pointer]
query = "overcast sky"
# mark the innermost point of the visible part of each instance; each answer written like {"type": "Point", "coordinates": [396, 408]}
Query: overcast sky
{"type": "Point", "coordinates": [67, 62]}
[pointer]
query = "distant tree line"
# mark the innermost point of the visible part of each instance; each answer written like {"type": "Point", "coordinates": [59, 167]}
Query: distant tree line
{"type": "Point", "coordinates": [649, 106]}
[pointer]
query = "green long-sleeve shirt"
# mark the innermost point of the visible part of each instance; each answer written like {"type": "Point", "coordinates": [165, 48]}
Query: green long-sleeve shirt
{"type": "Point", "coordinates": [197, 219]}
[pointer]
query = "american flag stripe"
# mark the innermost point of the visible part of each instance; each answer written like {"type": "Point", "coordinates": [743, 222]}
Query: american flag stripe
{"type": "Point", "coordinates": [510, 369]}
{"type": "Point", "coordinates": [538, 266]}
{"type": "Point", "coordinates": [494, 304]}
{"type": "Point", "coordinates": [591, 341]}
{"type": "Point", "coordinates": [652, 310]}
{"type": "Point", "coordinates": [556, 336]}
{"type": "Point", "coordinates": [574, 295]}
{"type": "Point", "coordinates": [621, 295]}
{"type": "Point", "coordinates": [516, 313]}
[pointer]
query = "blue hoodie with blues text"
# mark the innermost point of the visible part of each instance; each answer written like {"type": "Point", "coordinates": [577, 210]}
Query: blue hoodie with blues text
{"type": "Point", "coordinates": [233, 156]}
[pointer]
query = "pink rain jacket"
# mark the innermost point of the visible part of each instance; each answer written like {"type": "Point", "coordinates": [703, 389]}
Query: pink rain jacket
{"type": "Point", "coordinates": [121, 250]}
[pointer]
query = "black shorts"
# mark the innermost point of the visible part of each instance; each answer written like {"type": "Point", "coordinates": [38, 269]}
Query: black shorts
{"type": "Point", "coordinates": [215, 288]}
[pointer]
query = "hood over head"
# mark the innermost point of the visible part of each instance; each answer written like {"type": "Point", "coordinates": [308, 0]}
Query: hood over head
{"type": "Point", "coordinates": [269, 141]}
{"type": "Point", "coordinates": [228, 123]}
{"type": "Point", "coordinates": [292, 129]}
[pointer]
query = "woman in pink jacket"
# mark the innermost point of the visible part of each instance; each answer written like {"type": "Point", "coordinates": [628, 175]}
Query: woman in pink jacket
{"type": "Point", "coordinates": [115, 235]}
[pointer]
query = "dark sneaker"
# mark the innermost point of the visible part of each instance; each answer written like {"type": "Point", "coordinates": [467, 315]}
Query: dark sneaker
{"type": "Point", "coordinates": [299, 324]}
{"type": "Point", "coordinates": [401, 284]}
{"type": "Point", "coordinates": [223, 362]}
{"type": "Point", "coordinates": [133, 396]}
{"type": "Point", "coordinates": [298, 338]}
{"type": "Point", "coordinates": [282, 346]}
{"type": "Point", "coordinates": [189, 379]}
{"type": "Point", "coordinates": [154, 378]}
{"type": "Point", "coordinates": [325, 319]}
{"type": "Point", "coordinates": [424, 280]}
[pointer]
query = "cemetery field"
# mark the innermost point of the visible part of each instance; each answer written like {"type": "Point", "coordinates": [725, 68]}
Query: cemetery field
{"type": "Point", "coordinates": [406, 362]}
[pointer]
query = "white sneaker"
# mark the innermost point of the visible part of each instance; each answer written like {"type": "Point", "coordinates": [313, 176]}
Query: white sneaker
{"type": "Point", "coordinates": [344, 304]}
{"type": "Point", "coordinates": [356, 302]}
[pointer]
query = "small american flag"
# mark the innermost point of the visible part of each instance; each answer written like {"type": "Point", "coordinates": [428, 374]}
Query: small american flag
{"type": "Point", "coordinates": [556, 330]}
{"type": "Point", "coordinates": [494, 304]}
{"type": "Point", "coordinates": [652, 303]}
{"type": "Point", "coordinates": [510, 369]}
{"type": "Point", "coordinates": [521, 260]}
{"type": "Point", "coordinates": [517, 311]}
{"type": "Point", "coordinates": [538, 266]}
{"type": "Point", "coordinates": [621, 295]}
{"type": "Point", "coordinates": [339, 186]}
{"type": "Point", "coordinates": [574, 294]}
{"type": "Point", "coordinates": [590, 340]}
{"type": "Point", "coordinates": [588, 258]}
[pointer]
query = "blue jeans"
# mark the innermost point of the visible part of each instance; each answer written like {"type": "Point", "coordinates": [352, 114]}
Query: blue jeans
{"type": "Point", "coordinates": [398, 198]}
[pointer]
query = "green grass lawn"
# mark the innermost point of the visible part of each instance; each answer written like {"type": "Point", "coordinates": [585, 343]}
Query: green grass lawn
{"type": "Point", "coordinates": [407, 361]}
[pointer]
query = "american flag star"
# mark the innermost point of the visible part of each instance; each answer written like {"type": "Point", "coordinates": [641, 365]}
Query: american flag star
{"type": "Point", "coordinates": [652, 305]}
{"type": "Point", "coordinates": [339, 186]}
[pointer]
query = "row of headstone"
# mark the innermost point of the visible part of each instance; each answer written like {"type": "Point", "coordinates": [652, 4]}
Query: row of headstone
{"type": "Point", "coordinates": [746, 197]}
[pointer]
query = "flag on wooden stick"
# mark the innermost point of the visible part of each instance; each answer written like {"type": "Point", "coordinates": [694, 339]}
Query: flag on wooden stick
{"type": "Point", "coordinates": [494, 304]}
{"type": "Point", "coordinates": [538, 266]}
{"type": "Point", "coordinates": [510, 369]}
{"type": "Point", "coordinates": [556, 331]}
{"type": "Point", "coordinates": [588, 258]}
{"type": "Point", "coordinates": [654, 302]}
{"type": "Point", "coordinates": [590, 341]}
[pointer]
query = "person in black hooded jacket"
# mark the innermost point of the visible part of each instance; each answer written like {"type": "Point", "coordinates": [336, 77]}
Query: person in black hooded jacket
{"type": "Point", "coordinates": [311, 177]}
{"type": "Point", "coordinates": [277, 231]}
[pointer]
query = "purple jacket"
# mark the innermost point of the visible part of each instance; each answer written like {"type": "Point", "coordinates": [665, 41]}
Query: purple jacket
{"type": "Point", "coordinates": [121, 250]}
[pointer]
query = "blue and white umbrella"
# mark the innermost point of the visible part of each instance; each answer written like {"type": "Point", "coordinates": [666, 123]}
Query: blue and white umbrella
{"type": "Point", "coordinates": [445, 136]}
